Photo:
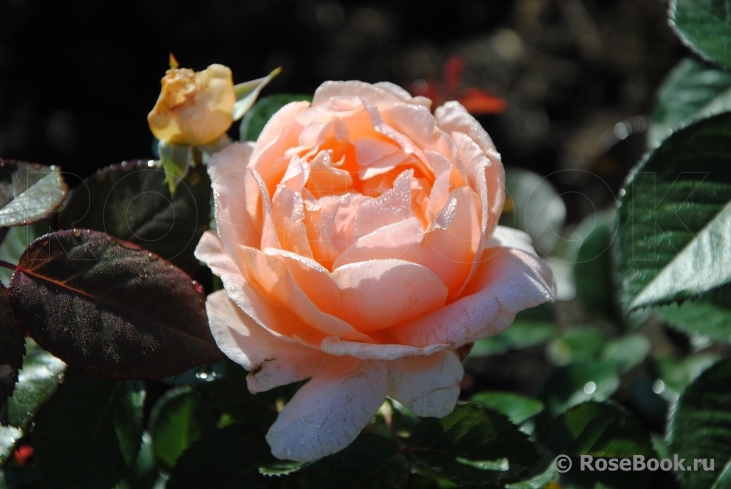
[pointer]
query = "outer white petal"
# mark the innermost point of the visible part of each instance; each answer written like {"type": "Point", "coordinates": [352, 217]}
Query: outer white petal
{"type": "Point", "coordinates": [427, 385]}
{"type": "Point", "coordinates": [505, 237]}
{"type": "Point", "coordinates": [329, 412]}
{"type": "Point", "coordinates": [272, 361]}
{"type": "Point", "coordinates": [506, 282]}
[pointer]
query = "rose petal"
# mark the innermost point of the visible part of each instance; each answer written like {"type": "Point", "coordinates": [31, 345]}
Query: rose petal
{"type": "Point", "coordinates": [403, 94]}
{"type": "Point", "coordinates": [288, 214]}
{"type": "Point", "coordinates": [382, 351]}
{"type": "Point", "coordinates": [427, 385]}
{"type": "Point", "coordinates": [392, 206]}
{"type": "Point", "coordinates": [329, 412]}
{"type": "Point", "coordinates": [227, 169]}
{"type": "Point", "coordinates": [272, 361]}
{"type": "Point", "coordinates": [505, 283]}
{"type": "Point", "coordinates": [505, 237]}
{"type": "Point", "coordinates": [377, 95]}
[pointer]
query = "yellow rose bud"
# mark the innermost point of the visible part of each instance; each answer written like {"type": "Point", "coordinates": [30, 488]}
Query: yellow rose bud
{"type": "Point", "coordinates": [193, 108]}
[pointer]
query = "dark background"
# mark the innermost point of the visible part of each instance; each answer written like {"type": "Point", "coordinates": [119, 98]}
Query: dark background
{"type": "Point", "coordinates": [78, 78]}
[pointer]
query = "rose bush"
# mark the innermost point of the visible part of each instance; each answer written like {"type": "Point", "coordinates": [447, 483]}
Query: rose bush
{"type": "Point", "coordinates": [193, 107]}
{"type": "Point", "coordinates": [358, 246]}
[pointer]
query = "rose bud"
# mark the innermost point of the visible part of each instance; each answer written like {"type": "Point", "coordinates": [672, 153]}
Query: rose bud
{"type": "Point", "coordinates": [358, 245]}
{"type": "Point", "coordinates": [193, 108]}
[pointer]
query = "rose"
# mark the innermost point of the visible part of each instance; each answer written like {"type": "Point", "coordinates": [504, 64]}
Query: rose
{"type": "Point", "coordinates": [358, 246]}
{"type": "Point", "coordinates": [193, 108]}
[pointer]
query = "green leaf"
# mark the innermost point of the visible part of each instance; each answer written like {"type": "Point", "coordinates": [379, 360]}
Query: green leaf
{"type": "Point", "coordinates": [370, 462]}
{"type": "Point", "coordinates": [129, 201]}
{"type": "Point", "coordinates": [12, 347]}
{"type": "Point", "coordinates": [724, 480]}
{"type": "Point", "coordinates": [675, 217]}
{"type": "Point", "coordinates": [700, 425]}
{"type": "Point", "coordinates": [705, 26]}
{"type": "Point", "coordinates": [626, 352]}
{"type": "Point", "coordinates": [533, 206]}
{"type": "Point", "coordinates": [96, 305]}
{"type": "Point", "coordinates": [90, 432]}
{"type": "Point", "coordinates": [180, 418]}
{"type": "Point", "coordinates": [176, 160]}
{"type": "Point", "coordinates": [37, 381]}
{"type": "Point", "coordinates": [578, 345]}
{"type": "Point", "coordinates": [460, 445]}
{"type": "Point", "coordinates": [199, 375]}
{"type": "Point", "coordinates": [516, 407]}
{"type": "Point", "coordinates": [144, 473]}
{"type": "Point", "coordinates": [226, 458]}
{"type": "Point", "coordinates": [675, 375]}
{"type": "Point", "coordinates": [594, 278]}
{"type": "Point", "coordinates": [694, 90]}
{"type": "Point", "coordinates": [9, 436]}
{"type": "Point", "coordinates": [601, 431]}
{"type": "Point", "coordinates": [246, 93]}
{"type": "Point", "coordinates": [264, 109]}
{"type": "Point", "coordinates": [710, 316]}
{"type": "Point", "coordinates": [28, 192]}
{"type": "Point", "coordinates": [531, 327]}
{"type": "Point", "coordinates": [15, 242]}
{"type": "Point", "coordinates": [566, 387]}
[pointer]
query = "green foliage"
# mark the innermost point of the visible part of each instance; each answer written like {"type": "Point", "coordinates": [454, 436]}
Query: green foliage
{"type": "Point", "coordinates": [517, 408]}
{"type": "Point", "coordinates": [179, 419]}
{"type": "Point", "coordinates": [700, 427]}
{"type": "Point", "coordinates": [694, 90]}
{"type": "Point", "coordinates": [93, 302]}
{"type": "Point", "coordinates": [705, 26]}
{"type": "Point", "coordinates": [28, 192]}
{"type": "Point", "coordinates": [14, 243]}
{"type": "Point", "coordinates": [601, 431]}
{"type": "Point", "coordinates": [533, 206]}
{"type": "Point", "coordinates": [571, 385]}
{"type": "Point", "coordinates": [710, 316]}
{"type": "Point", "coordinates": [675, 215]}
{"type": "Point", "coordinates": [469, 445]}
{"type": "Point", "coordinates": [90, 432]}
{"type": "Point", "coordinates": [129, 201]}
{"type": "Point", "coordinates": [12, 347]}
{"type": "Point", "coordinates": [263, 110]}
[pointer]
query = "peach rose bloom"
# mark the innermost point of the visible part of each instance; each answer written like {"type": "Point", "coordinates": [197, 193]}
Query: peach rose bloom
{"type": "Point", "coordinates": [358, 246]}
{"type": "Point", "coordinates": [194, 108]}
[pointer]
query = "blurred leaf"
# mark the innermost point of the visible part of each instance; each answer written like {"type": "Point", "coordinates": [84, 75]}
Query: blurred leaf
{"type": "Point", "coordinates": [12, 347]}
{"type": "Point", "coordinates": [370, 462]}
{"type": "Point", "coordinates": [179, 419]}
{"type": "Point", "coordinates": [247, 92]}
{"type": "Point", "coordinates": [533, 206]}
{"type": "Point", "coordinates": [566, 387]}
{"type": "Point", "coordinates": [724, 480]}
{"type": "Point", "coordinates": [9, 436]}
{"type": "Point", "coordinates": [90, 432]}
{"type": "Point", "coordinates": [264, 109]}
{"type": "Point", "coordinates": [694, 90]}
{"type": "Point", "coordinates": [37, 381]}
{"type": "Point", "coordinates": [705, 26]}
{"type": "Point", "coordinates": [545, 480]}
{"type": "Point", "coordinates": [516, 407]}
{"type": "Point", "coordinates": [144, 473]}
{"type": "Point", "coordinates": [675, 216]}
{"type": "Point", "coordinates": [129, 201]}
{"type": "Point", "coordinates": [677, 374]}
{"type": "Point", "coordinates": [15, 242]}
{"type": "Point", "coordinates": [28, 192]}
{"type": "Point", "coordinates": [461, 445]}
{"type": "Point", "coordinates": [517, 336]}
{"type": "Point", "coordinates": [601, 431]}
{"type": "Point", "coordinates": [578, 345]}
{"type": "Point", "coordinates": [710, 316]}
{"type": "Point", "coordinates": [199, 375]}
{"type": "Point", "coordinates": [700, 425]}
{"type": "Point", "coordinates": [226, 458]}
{"type": "Point", "coordinates": [596, 286]}
{"type": "Point", "coordinates": [95, 303]}
{"type": "Point", "coordinates": [175, 160]}
{"type": "Point", "coordinates": [626, 352]}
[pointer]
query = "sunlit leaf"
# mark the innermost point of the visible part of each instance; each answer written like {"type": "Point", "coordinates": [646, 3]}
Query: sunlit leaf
{"type": "Point", "coordinates": [264, 109]}
{"type": "Point", "coordinates": [9, 436]}
{"type": "Point", "coordinates": [90, 432]}
{"type": "Point", "coordinates": [601, 431]}
{"type": "Point", "coordinates": [709, 316]}
{"type": "Point", "coordinates": [109, 309]}
{"type": "Point", "coordinates": [246, 93]}
{"type": "Point", "coordinates": [175, 160]}
{"type": "Point", "coordinates": [226, 458]}
{"type": "Point", "coordinates": [37, 381]}
{"type": "Point", "coordinates": [700, 426]}
{"type": "Point", "coordinates": [516, 407]}
{"type": "Point", "coordinates": [675, 374]}
{"type": "Point", "coordinates": [28, 192]}
{"type": "Point", "coordinates": [473, 445]}
{"type": "Point", "coordinates": [144, 472]}
{"type": "Point", "coordinates": [705, 26]}
{"type": "Point", "coordinates": [694, 90]}
{"type": "Point", "coordinates": [12, 347]}
{"type": "Point", "coordinates": [675, 217]}
{"type": "Point", "coordinates": [130, 201]}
